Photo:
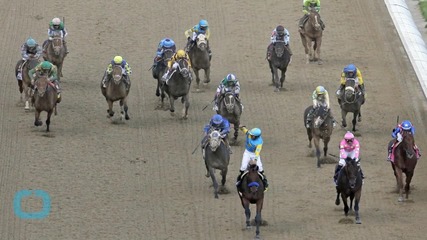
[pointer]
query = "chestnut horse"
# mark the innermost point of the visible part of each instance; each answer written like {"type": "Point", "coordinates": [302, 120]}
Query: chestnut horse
{"type": "Point", "coordinates": [311, 37]}
{"type": "Point", "coordinates": [55, 52]}
{"type": "Point", "coordinates": [45, 99]}
{"type": "Point", "coordinates": [117, 90]}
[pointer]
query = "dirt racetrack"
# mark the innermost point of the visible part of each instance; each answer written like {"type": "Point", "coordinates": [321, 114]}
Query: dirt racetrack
{"type": "Point", "coordinates": [139, 180]}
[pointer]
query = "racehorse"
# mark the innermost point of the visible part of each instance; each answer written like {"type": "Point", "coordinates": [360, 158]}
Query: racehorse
{"type": "Point", "coordinates": [45, 99]}
{"type": "Point", "coordinates": [216, 156]}
{"type": "Point", "coordinates": [251, 191]}
{"type": "Point", "coordinates": [231, 108]}
{"type": "Point", "coordinates": [280, 58]}
{"type": "Point", "coordinates": [25, 83]}
{"type": "Point", "coordinates": [55, 52]}
{"type": "Point", "coordinates": [320, 128]}
{"type": "Point", "coordinates": [311, 37]}
{"type": "Point", "coordinates": [349, 184]}
{"type": "Point", "coordinates": [351, 100]}
{"type": "Point", "coordinates": [160, 69]}
{"type": "Point", "coordinates": [178, 85]}
{"type": "Point", "coordinates": [199, 57]}
{"type": "Point", "coordinates": [116, 90]}
{"type": "Point", "coordinates": [404, 160]}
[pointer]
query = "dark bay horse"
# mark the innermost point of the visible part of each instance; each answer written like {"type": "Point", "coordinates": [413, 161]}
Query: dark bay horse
{"type": "Point", "coordinates": [216, 156]}
{"type": "Point", "coordinates": [55, 53]}
{"type": "Point", "coordinates": [45, 99]}
{"type": "Point", "coordinates": [320, 128]}
{"type": "Point", "coordinates": [404, 161]}
{"type": "Point", "coordinates": [160, 69]}
{"type": "Point", "coordinates": [231, 108]}
{"type": "Point", "coordinates": [351, 100]}
{"type": "Point", "coordinates": [178, 85]}
{"type": "Point", "coordinates": [311, 37]}
{"type": "Point", "coordinates": [349, 184]}
{"type": "Point", "coordinates": [116, 90]}
{"type": "Point", "coordinates": [199, 57]}
{"type": "Point", "coordinates": [279, 60]}
{"type": "Point", "coordinates": [251, 191]}
{"type": "Point", "coordinates": [25, 84]}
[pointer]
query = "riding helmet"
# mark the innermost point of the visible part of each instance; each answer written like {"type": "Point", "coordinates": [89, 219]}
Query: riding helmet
{"type": "Point", "coordinates": [280, 30]}
{"type": "Point", "coordinates": [180, 53]}
{"type": "Point", "coordinates": [31, 42]}
{"type": "Point", "coordinates": [350, 68]}
{"type": "Point", "coordinates": [118, 59]}
{"type": "Point", "coordinates": [320, 90]}
{"type": "Point", "coordinates": [168, 43]}
{"type": "Point", "coordinates": [217, 119]}
{"type": "Point", "coordinates": [56, 21]}
{"type": "Point", "coordinates": [46, 65]}
{"type": "Point", "coordinates": [203, 23]}
{"type": "Point", "coordinates": [255, 132]}
{"type": "Point", "coordinates": [349, 136]}
{"type": "Point", "coordinates": [406, 125]}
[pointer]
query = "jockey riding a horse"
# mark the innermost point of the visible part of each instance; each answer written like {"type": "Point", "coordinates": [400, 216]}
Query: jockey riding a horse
{"type": "Point", "coordinates": [56, 26]}
{"type": "Point", "coordinates": [117, 60]}
{"type": "Point", "coordinates": [30, 47]}
{"type": "Point", "coordinates": [221, 124]}
{"type": "Point", "coordinates": [349, 147]}
{"type": "Point", "coordinates": [191, 34]}
{"type": "Point", "coordinates": [320, 98]}
{"type": "Point", "coordinates": [172, 64]}
{"type": "Point", "coordinates": [164, 44]}
{"type": "Point", "coordinates": [351, 72]}
{"type": "Point", "coordinates": [279, 34]}
{"type": "Point", "coordinates": [46, 68]}
{"type": "Point", "coordinates": [229, 84]}
{"type": "Point", "coordinates": [397, 135]}
{"type": "Point", "coordinates": [253, 148]}
{"type": "Point", "coordinates": [307, 6]}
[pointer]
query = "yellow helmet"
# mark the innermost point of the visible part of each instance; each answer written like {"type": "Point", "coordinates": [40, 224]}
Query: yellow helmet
{"type": "Point", "coordinates": [118, 59]}
{"type": "Point", "coordinates": [320, 90]}
{"type": "Point", "coordinates": [180, 53]}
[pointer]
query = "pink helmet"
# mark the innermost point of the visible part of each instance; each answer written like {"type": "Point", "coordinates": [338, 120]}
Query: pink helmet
{"type": "Point", "coordinates": [349, 136]}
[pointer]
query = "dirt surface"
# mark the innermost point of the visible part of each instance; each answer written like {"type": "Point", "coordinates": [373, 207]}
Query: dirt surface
{"type": "Point", "coordinates": [139, 180]}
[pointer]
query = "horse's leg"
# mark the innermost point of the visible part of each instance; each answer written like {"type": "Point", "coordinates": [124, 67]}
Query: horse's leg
{"type": "Point", "coordinates": [172, 105]}
{"type": "Point", "coordinates": [49, 114]}
{"type": "Point", "coordinates": [37, 121]}
{"type": "Point", "coordinates": [158, 87]}
{"type": "Point", "coordinates": [399, 179]}
{"type": "Point", "coordinates": [283, 77]}
{"type": "Point", "coordinates": [276, 79]}
{"type": "Point", "coordinates": [358, 194]}
{"type": "Point", "coordinates": [196, 72]}
{"type": "Point", "coordinates": [310, 137]}
{"type": "Point", "coordinates": [310, 56]}
{"type": "Point", "coordinates": [27, 97]}
{"type": "Point", "coordinates": [316, 144]}
{"type": "Point", "coordinates": [337, 200]}
{"type": "Point", "coordinates": [355, 114]}
{"type": "Point", "coordinates": [258, 217]}
{"type": "Point", "coordinates": [125, 108]}
{"type": "Point", "coordinates": [247, 213]}
{"type": "Point", "coordinates": [343, 116]}
{"type": "Point", "coordinates": [214, 182]}
{"type": "Point", "coordinates": [272, 72]}
{"type": "Point", "coordinates": [317, 51]}
{"type": "Point", "coordinates": [344, 200]}
{"type": "Point", "coordinates": [325, 145]}
{"type": "Point", "coordinates": [122, 111]}
{"type": "Point", "coordinates": [207, 75]}
{"type": "Point", "coordinates": [186, 106]}
{"type": "Point", "coordinates": [110, 109]}
{"type": "Point", "coordinates": [236, 130]}
{"type": "Point", "coordinates": [304, 43]}
{"type": "Point", "coordinates": [409, 175]}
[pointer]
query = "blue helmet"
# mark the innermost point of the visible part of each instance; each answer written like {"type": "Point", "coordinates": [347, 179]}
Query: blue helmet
{"type": "Point", "coordinates": [31, 42]}
{"type": "Point", "coordinates": [168, 43]}
{"type": "Point", "coordinates": [203, 23]}
{"type": "Point", "coordinates": [255, 132]}
{"type": "Point", "coordinates": [406, 125]}
{"type": "Point", "coordinates": [350, 68]}
{"type": "Point", "coordinates": [217, 119]}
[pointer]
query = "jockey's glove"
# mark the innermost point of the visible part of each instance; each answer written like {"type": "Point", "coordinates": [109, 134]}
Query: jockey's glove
{"type": "Point", "coordinates": [50, 38]}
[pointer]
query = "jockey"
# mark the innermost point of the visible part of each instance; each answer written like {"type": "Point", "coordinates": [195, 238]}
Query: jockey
{"type": "Point", "coordinates": [48, 68]}
{"type": "Point", "coordinates": [229, 84]}
{"type": "Point", "coordinates": [253, 148]}
{"type": "Point", "coordinates": [29, 49]}
{"type": "Point", "coordinates": [117, 60]}
{"type": "Point", "coordinates": [320, 98]}
{"type": "Point", "coordinates": [397, 135]}
{"type": "Point", "coordinates": [306, 6]}
{"type": "Point", "coordinates": [221, 124]}
{"type": "Point", "coordinates": [164, 44]}
{"type": "Point", "coordinates": [279, 34]}
{"type": "Point", "coordinates": [55, 26]}
{"type": "Point", "coordinates": [191, 34]}
{"type": "Point", "coordinates": [350, 71]}
{"type": "Point", "coordinates": [349, 147]}
{"type": "Point", "coordinates": [172, 64]}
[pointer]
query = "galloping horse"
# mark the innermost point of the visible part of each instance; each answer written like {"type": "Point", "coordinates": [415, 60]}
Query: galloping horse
{"type": "Point", "coordinates": [25, 83]}
{"type": "Point", "coordinates": [44, 99]}
{"type": "Point", "coordinates": [280, 58]}
{"type": "Point", "coordinates": [160, 69]}
{"type": "Point", "coordinates": [350, 185]}
{"type": "Point", "coordinates": [178, 85]}
{"type": "Point", "coordinates": [55, 52]}
{"type": "Point", "coordinates": [320, 128]}
{"type": "Point", "coordinates": [251, 191]}
{"type": "Point", "coordinates": [311, 37]}
{"type": "Point", "coordinates": [404, 161]}
{"type": "Point", "coordinates": [116, 90]}
{"type": "Point", "coordinates": [231, 108]}
{"type": "Point", "coordinates": [199, 57]}
{"type": "Point", "coordinates": [216, 156]}
{"type": "Point", "coordinates": [351, 101]}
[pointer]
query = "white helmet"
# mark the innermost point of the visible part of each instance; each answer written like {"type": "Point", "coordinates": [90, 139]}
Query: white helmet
{"type": "Point", "coordinates": [56, 21]}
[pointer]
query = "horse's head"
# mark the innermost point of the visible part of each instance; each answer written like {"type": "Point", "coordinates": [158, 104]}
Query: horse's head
{"type": "Point", "coordinates": [314, 19]}
{"type": "Point", "coordinates": [41, 83]}
{"type": "Point", "coordinates": [214, 140]}
{"type": "Point", "coordinates": [117, 73]}
{"type": "Point", "coordinates": [351, 170]}
{"type": "Point", "coordinates": [253, 179]}
{"type": "Point", "coordinates": [201, 42]}
{"type": "Point", "coordinates": [57, 43]}
{"type": "Point", "coordinates": [320, 115]}
{"type": "Point", "coordinates": [408, 144]}
{"type": "Point", "coordinates": [229, 101]}
{"type": "Point", "coordinates": [184, 68]}
{"type": "Point", "coordinates": [350, 90]}
{"type": "Point", "coordinates": [279, 48]}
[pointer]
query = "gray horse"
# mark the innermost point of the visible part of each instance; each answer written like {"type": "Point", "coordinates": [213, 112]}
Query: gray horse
{"type": "Point", "coordinates": [231, 108]}
{"type": "Point", "coordinates": [178, 85]}
{"type": "Point", "coordinates": [199, 57]}
{"type": "Point", "coordinates": [55, 52]}
{"type": "Point", "coordinates": [351, 100]}
{"type": "Point", "coordinates": [216, 156]}
{"type": "Point", "coordinates": [280, 59]}
{"type": "Point", "coordinates": [160, 69]}
{"type": "Point", "coordinates": [116, 90]}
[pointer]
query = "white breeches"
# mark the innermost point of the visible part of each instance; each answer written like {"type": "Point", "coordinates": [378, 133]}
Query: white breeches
{"type": "Point", "coordinates": [247, 157]}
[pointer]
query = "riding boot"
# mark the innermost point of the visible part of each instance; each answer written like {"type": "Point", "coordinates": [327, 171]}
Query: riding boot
{"type": "Point", "coordinates": [289, 49]}
{"type": "Point", "coordinates": [188, 45]}
{"type": "Point", "coordinates": [264, 181]}
{"type": "Point", "coordinates": [269, 49]}
{"type": "Point", "coordinates": [65, 46]}
{"type": "Point", "coordinates": [58, 91]}
{"type": "Point", "coordinates": [228, 145]}
{"type": "Point", "coordinates": [104, 81]}
{"type": "Point", "coordinates": [301, 23]}
{"type": "Point", "coordinates": [322, 24]}
{"type": "Point", "coordinates": [309, 118]}
{"type": "Point", "coordinates": [417, 151]}
{"type": "Point", "coordinates": [390, 149]}
{"type": "Point", "coordinates": [239, 179]}
{"type": "Point", "coordinates": [127, 81]}
{"type": "Point", "coordinates": [337, 170]}
{"type": "Point", "coordinates": [45, 43]}
{"type": "Point", "coordinates": [19, 72]}
{"type": "Point", "coordinates": [361, 173]}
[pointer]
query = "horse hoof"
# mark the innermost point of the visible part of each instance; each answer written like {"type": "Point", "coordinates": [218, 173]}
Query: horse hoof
{"type": "Point", "coordinates": [276, 90]}
{"type": "Point", "coordinates": [360, 119]}
{"type": "Point", "coordinates": [337, 202]}
{"type": "Point", "coordinates": [158, 94]}
{"type": "Point", "coordinates": [127, 117]}
{"type": "Point", "coordinates": [400, 199]}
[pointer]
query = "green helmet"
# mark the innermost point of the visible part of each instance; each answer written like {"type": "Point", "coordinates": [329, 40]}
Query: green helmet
{"type": "Point", "coordinates": [31, 42]}
{"type": "Point", "coordinates": [46, 65]}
